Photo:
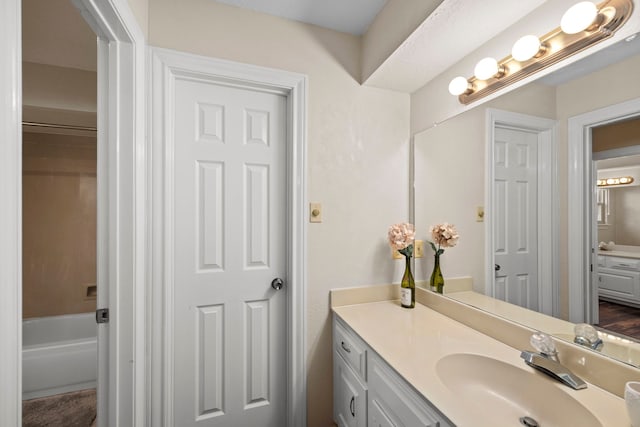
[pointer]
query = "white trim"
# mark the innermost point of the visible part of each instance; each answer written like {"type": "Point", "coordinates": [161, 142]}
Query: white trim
{"type": "Point", "coordinates": [10, 214]}
{"type": "Point", "coordinates": [122, 115]}
{"type": "Point", "coordinates": [580, 204]}
{"type": "Point", "coordinates": [548, 243]}
{"type": "Point", "coordinates": [168, 65]}
{"type": "Point", "coordinates": [633, 150]}
{"type": "Point", "coordinates": [102, 229]}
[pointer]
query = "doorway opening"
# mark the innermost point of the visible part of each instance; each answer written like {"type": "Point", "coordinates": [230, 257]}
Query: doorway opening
{"type": "Point", "coordinates": [122, 145]}
{"type": "Point", "coordinates": [616, 231]}
{"type": "Point", "coordinates": [59, 215]}
{"type": "Point", "coordinates": [583, 241]}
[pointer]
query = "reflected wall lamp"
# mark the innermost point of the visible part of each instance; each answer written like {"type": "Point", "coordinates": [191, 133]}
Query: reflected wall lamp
{"type": "Point", "coordinates": [623, 180]}
{"type": "Point", "coordinates": [581, 26]}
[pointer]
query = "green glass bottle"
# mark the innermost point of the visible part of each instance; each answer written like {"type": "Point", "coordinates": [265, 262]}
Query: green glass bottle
{"type": "Point", "coordinates": [437, 281]}
{"type": "Point", "coordinates": [408, 287]}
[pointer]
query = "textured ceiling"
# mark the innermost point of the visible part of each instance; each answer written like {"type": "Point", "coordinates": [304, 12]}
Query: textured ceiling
{"type": "Point", "coordinates": [347, 16]}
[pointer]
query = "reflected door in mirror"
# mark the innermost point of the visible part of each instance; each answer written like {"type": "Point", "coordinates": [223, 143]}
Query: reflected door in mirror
{"type": "Point", "coordinates": [515, 216]}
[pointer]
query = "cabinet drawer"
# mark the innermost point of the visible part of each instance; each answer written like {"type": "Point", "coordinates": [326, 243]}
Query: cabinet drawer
{"type": "Point", "coordinates": [351, 348]}
{"type": "Point", "coordinates": [349, 395]}
{"type": "Point", "coordinates": [392, 402]}
{"type": "Point", "coordinates": [619, 284]}
{"type": "Point", "coordinates": [623, 263]}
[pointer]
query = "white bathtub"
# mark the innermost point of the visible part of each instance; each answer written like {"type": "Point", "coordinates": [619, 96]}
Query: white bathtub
{"type": "Point", "coordinates": [59, 354]}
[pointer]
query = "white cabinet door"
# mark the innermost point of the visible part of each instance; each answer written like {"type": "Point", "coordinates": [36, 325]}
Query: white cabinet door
{"type": "Point", "coordinates": [392, 402]}
{"type": "Point", "coordinates": [228, 324]}
{"type": "Point", "coordinates": [377, 417]}
{"type": "Point", "coordinates": [349, 395]}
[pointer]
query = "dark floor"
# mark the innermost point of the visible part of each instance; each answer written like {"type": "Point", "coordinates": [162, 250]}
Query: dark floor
{"type": "Point", "coordinates": [76, 409]}
{"type": "Point", "coordinates": [620, 319]}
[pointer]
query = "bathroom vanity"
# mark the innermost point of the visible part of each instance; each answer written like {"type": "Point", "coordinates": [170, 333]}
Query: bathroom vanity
{"type": "Point", "coordinates": [402, 367]}
{"type": "Point", "coordinates": [619, 276]}
{"type": "Point", "coordinates": [367, 388]}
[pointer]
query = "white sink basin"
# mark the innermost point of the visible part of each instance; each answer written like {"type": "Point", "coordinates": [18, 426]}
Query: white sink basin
{"type": "Point", "coordinates": [499, 387]}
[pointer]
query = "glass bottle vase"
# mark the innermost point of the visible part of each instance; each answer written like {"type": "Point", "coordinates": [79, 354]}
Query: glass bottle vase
{"type": "Point", "coordinates": [437, 281]}
{"type": "Point", "coordinates": [408, 286]}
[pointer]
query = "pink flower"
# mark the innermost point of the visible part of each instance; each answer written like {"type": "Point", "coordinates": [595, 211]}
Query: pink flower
{"type": "Point", "coordinates": [444, 235]}
{"type": "Point", "coordinates": [401, 235]}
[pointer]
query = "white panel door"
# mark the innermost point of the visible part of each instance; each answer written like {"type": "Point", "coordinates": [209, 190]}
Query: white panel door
{"type": "Point", "coordinates": [229, 329]}
{"type": "Point", "coordinates": [515, 217]}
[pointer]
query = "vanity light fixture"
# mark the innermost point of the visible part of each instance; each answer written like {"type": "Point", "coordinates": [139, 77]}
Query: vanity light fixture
{"type": "Point", "coordinates": [623, 180]}
{"type": "Point", "coordinates": [580, 28]}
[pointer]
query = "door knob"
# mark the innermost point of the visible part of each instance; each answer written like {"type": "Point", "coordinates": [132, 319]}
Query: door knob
{"type": "Point", "coordinates": [497, 267]}
{"type": "Point", "coordinates": [277, 283]}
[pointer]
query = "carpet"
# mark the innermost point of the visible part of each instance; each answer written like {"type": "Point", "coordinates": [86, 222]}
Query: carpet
{"type": "Point", "coordinates": [75, 409]}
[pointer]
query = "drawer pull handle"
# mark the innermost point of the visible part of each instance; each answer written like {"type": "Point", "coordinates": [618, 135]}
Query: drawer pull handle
{"type": "Point", "coordinates": [352, 406]}
{"type": "Point", "coordinates": [345, 348]}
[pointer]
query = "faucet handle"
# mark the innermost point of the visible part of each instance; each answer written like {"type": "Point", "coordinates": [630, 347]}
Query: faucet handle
{"type": "Point", "coordinates": [587, 335]}
{"type": "Point", "coordinates": [587, 331]}
{"type": "Point", "coordinates": [544, 344]}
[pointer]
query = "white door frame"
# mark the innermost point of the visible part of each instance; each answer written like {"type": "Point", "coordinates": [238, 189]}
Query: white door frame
{"type": "Point", "coordinates": [10, 214]}
{"type": "Point", "coordinates": [547, 203]}
{"type": "Point", "coordinates": [167, 66]}
{"type": "Point", "coordinates": [580, 203]}
{"type": "Point", "coordinates": [121, 60]}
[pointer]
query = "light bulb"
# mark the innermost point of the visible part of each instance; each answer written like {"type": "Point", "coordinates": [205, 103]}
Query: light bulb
{"type": "Point", "coordinates": [458, 86]}
{"type": "Point", "coordinates": [578, 17]}
{"type": "Point", "coordinates": [526, 48]}
{"type": "Point", "coordinates": [486, 68]}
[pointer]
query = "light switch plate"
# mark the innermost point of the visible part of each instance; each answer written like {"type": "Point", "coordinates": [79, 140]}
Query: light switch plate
{"type": "Point", "coordinates": [418, 249]}
{"type": "Point", "coordinates": [480, 214]}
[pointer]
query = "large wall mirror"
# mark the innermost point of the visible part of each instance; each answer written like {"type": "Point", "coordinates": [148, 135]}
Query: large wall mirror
{"type": "Point", "coordinates": [513, 159]}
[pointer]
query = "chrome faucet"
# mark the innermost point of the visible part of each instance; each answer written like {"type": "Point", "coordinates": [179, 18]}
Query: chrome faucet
{"type": "Point", "coordinates": [546, 360]}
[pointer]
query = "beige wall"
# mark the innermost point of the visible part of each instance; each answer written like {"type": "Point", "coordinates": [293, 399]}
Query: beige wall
{"type": "Point", "coordinates": [358, 152]}
{"type": "Point", "coordinates": [140, 9]}
{"type": "Point", "coordinates": [627, 216]}
{"type": "Point", "coordinates": [61, 88]}
{"type": "Point", "coordinates": [623, 226]}
{"type": "Point", "coordinates": [59, 224]}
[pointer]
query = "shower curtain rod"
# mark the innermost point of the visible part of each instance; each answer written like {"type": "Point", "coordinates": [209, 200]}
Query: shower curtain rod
{"type": "Point", "coordinates": [51, 125]}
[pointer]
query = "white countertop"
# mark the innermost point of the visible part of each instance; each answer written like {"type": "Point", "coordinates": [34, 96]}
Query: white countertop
{"type": "Point", "coordinates": [622, 254]}
{"type": "Point", "coordinates": [413, 341]}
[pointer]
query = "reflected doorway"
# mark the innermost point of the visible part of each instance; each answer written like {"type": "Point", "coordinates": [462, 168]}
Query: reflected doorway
{"type": "Point", "coordinates": [616, 226]}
